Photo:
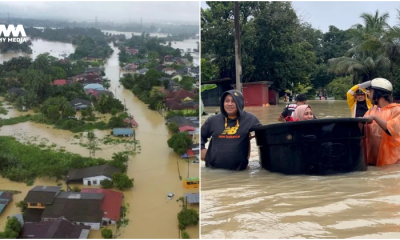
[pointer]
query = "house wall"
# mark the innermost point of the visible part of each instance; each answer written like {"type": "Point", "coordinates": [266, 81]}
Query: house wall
{"type": "Point", "coordinates": [255, 94]}
{"type": "Point", "coordinates": [39, 205]}
{"type": "Point", "coordinates": [97, 179]}
{"type": "Point", "coordinates": [104, 219]}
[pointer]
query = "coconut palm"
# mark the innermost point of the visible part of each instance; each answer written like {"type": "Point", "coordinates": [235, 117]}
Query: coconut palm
{"type": "Point", "coordinates": [363, 66]}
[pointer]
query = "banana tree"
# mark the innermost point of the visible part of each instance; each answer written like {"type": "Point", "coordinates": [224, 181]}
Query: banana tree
{"type": "Point", "coordinates": [205, 87]}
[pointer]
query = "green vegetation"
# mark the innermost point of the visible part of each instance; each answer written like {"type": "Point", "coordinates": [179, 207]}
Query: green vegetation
{"type": "Point", "coordinates": [3, 111]}
{"type": "Point", "coordinates": [23, 163]}
{"type": "Point", "coordinates": [185, 235]}
{"type": "Point", "coordinates": [122, 181]}
{"type": "Point", "coordinates": [173, 127]}
{"type": "Point", "coordinates": [24, 47]}
{"type": "Point", "coordinates": [21, 205]}
{"type": "Point", "coordinates": [12, 229]}
{"type": "Point", "coordinates": [106, 233]}
{"type": "Point", "coordinates": [290, 51]}
{"type": "Point", "coordinates": [76, 189]}
{"type": "Point", "coordinates": [107, 184]}
{"type": "Point", "coordinates": [187, 217]}
{"type": "Point", "coordinates": [12, 121]}
{"type": "Point", "coordinates": [180, 142]}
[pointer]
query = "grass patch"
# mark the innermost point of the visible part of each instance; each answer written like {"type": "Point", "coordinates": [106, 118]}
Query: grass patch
{"type": "Point", "coordinates": [3, 111]}
{"type": "Point", "coordinates": [12, 121]}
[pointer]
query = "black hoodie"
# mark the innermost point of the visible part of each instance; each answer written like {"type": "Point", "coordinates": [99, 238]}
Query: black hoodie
{"type": "Point", "coordinates": [229, 147]}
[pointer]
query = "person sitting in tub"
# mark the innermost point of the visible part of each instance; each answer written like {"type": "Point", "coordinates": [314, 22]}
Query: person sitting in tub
{"type": "Point", "coordinates": [383, 128]}
{"type": "Point", "coordinates": [287, 114]}
{"type": "Point", "coordinates": [303, 112]}
{"type": "Point", "coordinates": [229, 146]}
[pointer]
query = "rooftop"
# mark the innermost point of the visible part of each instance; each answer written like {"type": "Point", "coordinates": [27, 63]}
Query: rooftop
{"type": "Point", "coordinates": [101, 170]}
{"type": "Point", "coordinates": [111, 204]}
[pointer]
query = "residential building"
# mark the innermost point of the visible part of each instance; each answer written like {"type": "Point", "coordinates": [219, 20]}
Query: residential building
{"type": "Point", "coordinates": [5, 199]}
{"type": "Point", "coordinates": [78, 208]}
{"type": "Point", "coordinates": [124, 132]}
{"type": "Point", "coordinates": [169, 71]}
{"type": "Point", "coordinates": [111, 204]}
{"type": "Point", "coordinates": [56, 229]}
{"type": "Point", "coordinates": [41, 197]}
{"type": "Point", "coordinates": [79, 104]}
{"type": "Point", "coordinates": [94, 86]}
{"type": "Point", "coordinates": [92, 175]}
{"type": "Point", "coordinates": [17, 91]}
{"type": "Point", "coordinates": [142, 71]}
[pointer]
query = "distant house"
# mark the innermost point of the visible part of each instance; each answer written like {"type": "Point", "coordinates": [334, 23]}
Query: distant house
{"type": "Point", "coordinates": [92, 59]}
{"type": "Point", "coordinates": [59, 82]}
{"type": "Point", "coordinates": [111, 204]}
{"type": "Point", "coordinates": [142, 71]}
{"type": "Point", "coordinates": [168, 58]}
{"type": "Point", "coordinates": [185, 61]}
{"type": "Point", "coordinates": [78, 208]}
{"type": "Point", "coordinates": [184, 107]}
{"type": "Point", "coordinates": [192, 198]}
{"type": "Point", "coordinates": [143, 61]}
{"type": "Point", "coordinates": [56, 229]}
{"type": "Point", "coordinates": [169, 71]}
{"type": "Point", "coordinates": [130, 67]}
{"type": "Point", "coordinates": [181, 95]}
{"type": "Point", "coordinates": [131, 121]}
{"type": "Point", "coordinates": [87, 78]}
{"type": "Point", "coordinates": [98, 93]}
{"type": "Point", "coordinates": [92, 175]}
{"type": "Point", "coordinates": [79, 104]}
{"type": "Point", "coordinates": [132, 51]}
{"type": "Point", "coordinates": [94, 86]}
{"type": "Point", "coordinates": [5, 199]}
{"type": "Point", "coordinates": [17, 91]}
{"type": "Point", "coordinates": [94, 70]}
{"type": "Point", "coordinates": [124, 132]}
{"type": "Point", "coordinates": [41, 196]}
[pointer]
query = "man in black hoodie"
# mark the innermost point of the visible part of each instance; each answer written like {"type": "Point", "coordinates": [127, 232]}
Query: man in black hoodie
{"type": "Point", "coordinates": [230, 130]}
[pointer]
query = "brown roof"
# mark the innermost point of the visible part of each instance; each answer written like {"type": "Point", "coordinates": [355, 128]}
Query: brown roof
{"type": "Point", "coordinates": [101, 170]}
{"type": "Point", "coordinates": [180, 95]}
{"type": "Point", "coordinates": [33, 215]}
{"type": "Point", "coordinates": [75, 210]}
{"type": "Point", "coordinates": [56, 229]}
{"type": "Point", "coordinates": [42, 194]}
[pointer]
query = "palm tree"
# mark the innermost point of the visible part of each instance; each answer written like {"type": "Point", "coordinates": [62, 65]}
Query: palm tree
{"type": "Point", "coordinates": [363, 66]}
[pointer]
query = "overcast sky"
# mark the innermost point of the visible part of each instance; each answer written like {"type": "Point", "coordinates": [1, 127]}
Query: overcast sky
{"type": "Point", "coordinates": [340, 14]}
{"type": "Point", "coordinates": [185, 12]}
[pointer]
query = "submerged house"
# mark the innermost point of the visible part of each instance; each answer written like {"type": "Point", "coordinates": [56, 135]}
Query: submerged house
{"type": "Point", "coordinates": [124, 132]}
{"type": "Point", "coordinates": [111, 204]}
{"type": "Point", "coordinates": [56, 229]}
{"type": "Point", "coordinates": [5, 199]}
{"type": "Point", "coordinates": [92, 175]}
{"type": "Point", "coordinates": [41, 197]}
{"type": "Point", "coordinates": [79, 104]}
{"type": "Point", "coordinates": [78, 208]}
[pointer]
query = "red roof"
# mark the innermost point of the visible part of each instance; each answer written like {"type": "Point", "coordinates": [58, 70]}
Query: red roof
{"type": "Point", "coordinates": [111, 204]}
{"type": "Point", "coordinates": [186, 129]}
{"type": "Point", "coordinates": [168, 69]}
{"type": "Point", "coordinates": [132, 121]}
{"type": "Point", "coordinates": [179, 95]}
{"type": "Point", "coordinates": [59, 82]}
{"type": "Point", "coordinates": [190, 153]}
{"type": "Point", "coordinates": [169, 56]}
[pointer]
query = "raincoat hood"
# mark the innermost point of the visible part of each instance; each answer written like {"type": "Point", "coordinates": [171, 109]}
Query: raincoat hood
{"type": "Point", "coordinates": [239, 100]}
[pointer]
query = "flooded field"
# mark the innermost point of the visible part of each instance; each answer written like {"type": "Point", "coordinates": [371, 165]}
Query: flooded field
{"type": "Point", "coordinates": [256, 203]}
{"type": "Point", "coordinates": [155, 168]}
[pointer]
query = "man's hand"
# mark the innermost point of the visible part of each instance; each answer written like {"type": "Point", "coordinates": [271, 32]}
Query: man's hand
{"type": "Point", "coordinates": [203, 154]}
{"type": "Point", "coordinates": [370, 119]}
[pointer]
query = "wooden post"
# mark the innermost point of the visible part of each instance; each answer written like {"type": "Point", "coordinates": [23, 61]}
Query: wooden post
{"type": "Point", "coordinates": [238, 65]}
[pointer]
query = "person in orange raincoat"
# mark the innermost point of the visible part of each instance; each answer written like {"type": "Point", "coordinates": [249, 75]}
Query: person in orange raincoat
{"type": "Point", "coordinates": [383, 128]}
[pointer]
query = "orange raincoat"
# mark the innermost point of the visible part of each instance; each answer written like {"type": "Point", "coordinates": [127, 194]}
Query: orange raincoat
{"type": "Point", "coordinates": [383, 149]}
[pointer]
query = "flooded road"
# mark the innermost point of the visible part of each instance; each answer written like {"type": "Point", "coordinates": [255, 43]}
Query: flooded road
{"type": "Point", "coordinates": [256, 203]}
{"type": "Point", "coordinates": [155, 169]}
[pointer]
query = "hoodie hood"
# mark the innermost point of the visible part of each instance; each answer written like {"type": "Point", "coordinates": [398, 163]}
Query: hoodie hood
{"type": "Point", "coordinates": [239, 100]}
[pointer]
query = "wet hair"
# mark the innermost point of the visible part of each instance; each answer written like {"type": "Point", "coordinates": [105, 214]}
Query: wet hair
{"type": "Point", "coordinates": [380, 93]}
{"type": "Point", "coordinates": [301, 98]}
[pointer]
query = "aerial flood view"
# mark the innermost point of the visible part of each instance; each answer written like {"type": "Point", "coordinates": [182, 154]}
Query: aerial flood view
{"type": "Point", "coordinates": [99, 120]}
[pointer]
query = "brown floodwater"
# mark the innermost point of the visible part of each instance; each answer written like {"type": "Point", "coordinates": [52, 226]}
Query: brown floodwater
{"type": "Point", "coordinates": [256, 203]}
{"type": "Point", "coordinates": [155, 168]}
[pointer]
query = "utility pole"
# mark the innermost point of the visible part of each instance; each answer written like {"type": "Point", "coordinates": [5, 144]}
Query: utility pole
{"type": "Point", "coordinates": [238, 57]}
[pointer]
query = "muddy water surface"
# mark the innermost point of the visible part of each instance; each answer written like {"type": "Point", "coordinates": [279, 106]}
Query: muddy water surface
{"type": "Point", "coordinates": [256, 203]}
{"type": "Point", "coordinates": [155, 170]}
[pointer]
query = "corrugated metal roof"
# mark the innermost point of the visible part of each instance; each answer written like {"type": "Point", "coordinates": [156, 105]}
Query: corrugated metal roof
{"type": "Point", "coordinates": [122, 131]}
{"type": "Point", "coordinates": [193, 197]}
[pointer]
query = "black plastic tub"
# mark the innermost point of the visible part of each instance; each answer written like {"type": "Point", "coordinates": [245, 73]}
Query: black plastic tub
{"type": "Point", "coordinates": [314, 147]}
